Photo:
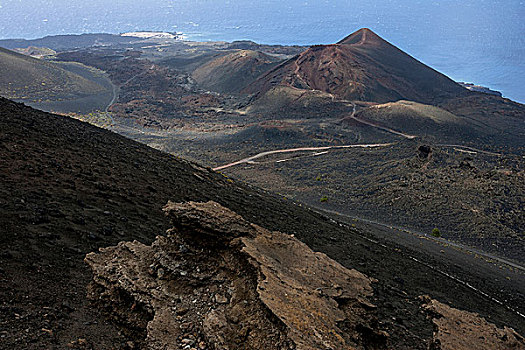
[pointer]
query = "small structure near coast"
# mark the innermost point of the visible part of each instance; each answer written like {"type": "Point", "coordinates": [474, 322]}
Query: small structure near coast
{"type": "Point", "coordinates": [479, 88]}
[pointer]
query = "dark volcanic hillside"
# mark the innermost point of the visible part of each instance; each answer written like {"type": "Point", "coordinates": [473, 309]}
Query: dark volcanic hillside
{"type": "Point", "coordinates": [68, 188]}
{"type": "Point", "coordinates": [363, 67]}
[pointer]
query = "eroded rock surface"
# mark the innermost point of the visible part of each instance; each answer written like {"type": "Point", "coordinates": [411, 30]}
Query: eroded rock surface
{"type": "Point", "coordinates": [463, 330]}
{"type": "Point", "coordinates": [217, 281]}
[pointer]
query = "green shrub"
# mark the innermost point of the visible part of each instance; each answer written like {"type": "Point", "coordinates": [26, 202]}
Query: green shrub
{"type": "Point", "coordinates": [324, 199]}
{"type": "Point", "coordinates": [436, 232]}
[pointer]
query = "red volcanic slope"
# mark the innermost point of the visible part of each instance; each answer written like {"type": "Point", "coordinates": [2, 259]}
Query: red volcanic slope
{"type": "Point", "coordinates": [363, 66]}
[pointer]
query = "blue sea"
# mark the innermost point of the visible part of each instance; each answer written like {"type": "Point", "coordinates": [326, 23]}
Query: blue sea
{"type": "Point", "coordinates": [479, 41]}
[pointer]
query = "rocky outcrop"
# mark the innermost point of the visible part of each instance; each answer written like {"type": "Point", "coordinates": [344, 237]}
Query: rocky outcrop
{"type": "Point", "coordinates": [217, 281]}
{"type": "Point", "coordinates": [461, 330]}
{"type": "Point", "coordinates": [424, 151]}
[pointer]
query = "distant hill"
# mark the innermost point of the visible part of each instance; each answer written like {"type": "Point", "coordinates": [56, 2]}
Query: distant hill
{"type": "Point", "coordinates": [23, 77]}
{"type": "Point", "coordinates": [36, 52]}
{"type": "Point", "coordinates": [188, 63]}
{"type": "Point", "coordinates": [53, 86]}
{"type": "Point", "coordinates": [442, 126]}
{"type": "Point", "coordinates": [286, 100]}
{"type": "Point", "coordinates": [364, 67]}
{"type": "Point", "coordinates": [233, 72]}
{"type": "Point", "coordinates": [69, 42]}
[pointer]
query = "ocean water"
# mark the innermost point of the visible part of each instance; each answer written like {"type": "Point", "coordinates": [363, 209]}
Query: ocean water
{"type": "Point", "coordinates": [480, 41]}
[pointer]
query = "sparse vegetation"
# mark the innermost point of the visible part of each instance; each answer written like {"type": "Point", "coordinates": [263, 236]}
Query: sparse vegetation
{"type": "Point", "coordinates": [324, 199]}
{"type": "Point", "coordinates": [100, 119]}
{"type": "Point", "coordinates": [436, 232]}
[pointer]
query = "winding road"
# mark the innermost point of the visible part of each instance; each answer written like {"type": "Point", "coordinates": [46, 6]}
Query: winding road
{"type": "Point", "coordinates": [300, 149]}
{"type": "Point", "coordinates": [114, 99]}
{"type": "Point", "coordinates": [250, 160]}
{"type": "Point", "coordinates": [469, 149]}
{"type": "Point", "coordinates": [384, 128]}
{"type": "Point", "coordinates": [116, 88]}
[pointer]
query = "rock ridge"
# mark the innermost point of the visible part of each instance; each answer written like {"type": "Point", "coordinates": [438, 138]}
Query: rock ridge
{"type": "Point", "coordinates": [219, 282]}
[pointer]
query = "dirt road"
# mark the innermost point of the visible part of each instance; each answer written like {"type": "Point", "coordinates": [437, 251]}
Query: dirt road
{"type": "Point", "coordinates": [300, 149]}
{"type": "Point", "coordinates": [384, 128]}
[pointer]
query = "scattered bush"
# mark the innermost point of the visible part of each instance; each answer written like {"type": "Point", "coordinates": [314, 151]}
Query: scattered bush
{"type": "Point", "coordinates": [436, 232]}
